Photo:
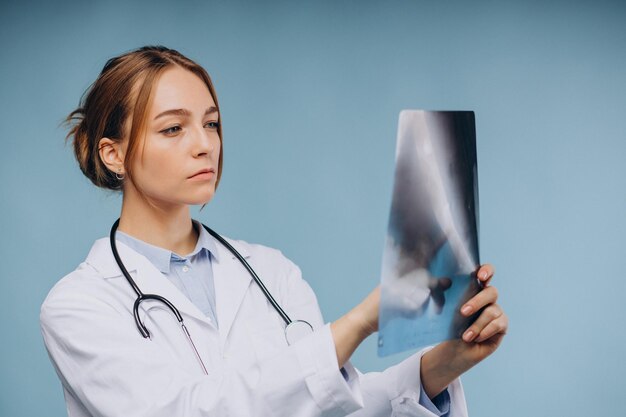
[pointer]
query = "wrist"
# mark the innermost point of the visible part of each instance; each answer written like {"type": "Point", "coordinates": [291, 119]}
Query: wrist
{"type": "Point", "coordinates": [360, 322]}
{"type": "Point", "coordinates": [348, 332]}
{"type": "Point", "coordinates": [439, 367]}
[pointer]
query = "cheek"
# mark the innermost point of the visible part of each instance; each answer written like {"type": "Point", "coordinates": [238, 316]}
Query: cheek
{"type": "Point", "coordinates": [157, 164]}
{"type": "Point", "coordinates": [218, 149]}
{"type": "Point", "coordinates": [157, 168]}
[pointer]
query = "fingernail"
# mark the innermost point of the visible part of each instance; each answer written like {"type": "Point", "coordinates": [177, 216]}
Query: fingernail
{"type": "Point", "coordinates": [466, 309]}
{"type": "Point", "coordinates": [468, 336]}
{"type": "Point", "coordinates": [483, 274]}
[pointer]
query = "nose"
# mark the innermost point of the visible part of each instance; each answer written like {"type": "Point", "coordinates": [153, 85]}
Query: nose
{"type": "Point", "coordinates": [204, 141]}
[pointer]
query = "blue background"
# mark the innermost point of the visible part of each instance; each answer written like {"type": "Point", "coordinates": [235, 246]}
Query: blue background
{"type": "Point", "coordinates": [310, 95]}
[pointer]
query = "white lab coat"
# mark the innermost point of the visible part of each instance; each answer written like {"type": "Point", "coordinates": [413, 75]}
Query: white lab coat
{"type": "Point", "coordinates": [108, 369]}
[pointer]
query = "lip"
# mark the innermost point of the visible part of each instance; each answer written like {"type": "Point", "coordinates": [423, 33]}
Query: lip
{"type": "Point", "coordinates": [203, 174]}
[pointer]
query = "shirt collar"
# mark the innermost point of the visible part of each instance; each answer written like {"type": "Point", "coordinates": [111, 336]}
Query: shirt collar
{"type": "Point", "coordinates": [160, 257]}
{"type": "Point", "coordinates": [205, 241]}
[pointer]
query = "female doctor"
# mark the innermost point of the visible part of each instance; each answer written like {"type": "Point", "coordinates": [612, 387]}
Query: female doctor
{"type": "Point", "coordinates": [149, 126]}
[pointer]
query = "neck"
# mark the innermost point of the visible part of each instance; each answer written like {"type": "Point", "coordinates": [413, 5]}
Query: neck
{"type": "Point", "coordinates": [168, 227]}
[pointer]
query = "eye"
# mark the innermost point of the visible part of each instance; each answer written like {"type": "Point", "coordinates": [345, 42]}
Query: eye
{"type": "Point", "coordinates": [170, 131]}
{"type": "Point", "coordinates": [212, 125]}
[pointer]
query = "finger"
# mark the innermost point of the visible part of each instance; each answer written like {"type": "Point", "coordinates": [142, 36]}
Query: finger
{"type": "Point", "coordinates": [485, 297]}
{"type": "Point", "coordinates": [497, 326]}
{"type": "Point", "coordinates": [489, 314]}
{"type": "Point", "coordinates": [485, 273]}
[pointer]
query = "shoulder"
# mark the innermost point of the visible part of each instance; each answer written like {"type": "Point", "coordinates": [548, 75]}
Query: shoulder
{"type": "Point", "coordinates": [260, 255]}
{"type": "Point", "coordinates": [83, 287]}
{"type": "Point", "coordinates": [279, 273]}
{"type": "Point", "coordinates": [79, 281]}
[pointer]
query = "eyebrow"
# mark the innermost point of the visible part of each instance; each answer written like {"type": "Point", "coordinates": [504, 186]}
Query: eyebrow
{"type": "Point", "coordinates": [184, 112]}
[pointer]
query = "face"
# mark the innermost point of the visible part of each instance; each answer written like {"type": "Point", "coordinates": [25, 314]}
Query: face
{"type": "Point", "coordinates": [178, 162]}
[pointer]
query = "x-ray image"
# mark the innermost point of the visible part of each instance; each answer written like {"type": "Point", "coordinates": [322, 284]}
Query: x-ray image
{"type": "Point", "coordinates": [431, 249]}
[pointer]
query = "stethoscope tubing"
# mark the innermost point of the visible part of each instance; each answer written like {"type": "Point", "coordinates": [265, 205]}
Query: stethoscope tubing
{"type": "Point", "coordinates": [140, 295]}
{"type": "Point", "coordinates": [290, 325]}
{"type": "Point", "coordinates": [256, 278]}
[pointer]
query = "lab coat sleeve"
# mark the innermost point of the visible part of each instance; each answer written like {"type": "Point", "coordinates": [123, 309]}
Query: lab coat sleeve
{"type": "Point", "coordinates": [393, 392]}
{"type": "Point", "coordinates": [399, 386]}
{"type": "Point", "coordinates": [112, 371]}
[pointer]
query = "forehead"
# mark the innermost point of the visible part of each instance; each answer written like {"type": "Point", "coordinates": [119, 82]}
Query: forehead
{"type": "Point", "coordinates": [178, 88]}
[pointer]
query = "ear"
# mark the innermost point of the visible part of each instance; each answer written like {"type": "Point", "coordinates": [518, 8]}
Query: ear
{"type": "Point", "coordinates": [112, 155]}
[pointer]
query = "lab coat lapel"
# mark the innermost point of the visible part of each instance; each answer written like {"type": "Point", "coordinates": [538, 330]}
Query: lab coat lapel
{"type": "Point", "coordinates": [148, 278]}
{"type": "Point", "coordinates": [231, 281]}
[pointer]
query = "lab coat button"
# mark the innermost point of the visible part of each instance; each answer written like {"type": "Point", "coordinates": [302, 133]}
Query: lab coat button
{"type": "Point", "coordinates": [185, 268]}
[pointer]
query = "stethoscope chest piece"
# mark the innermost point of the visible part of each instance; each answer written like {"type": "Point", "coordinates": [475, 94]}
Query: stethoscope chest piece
{"type": "Point", "coordinates": [297, 330]}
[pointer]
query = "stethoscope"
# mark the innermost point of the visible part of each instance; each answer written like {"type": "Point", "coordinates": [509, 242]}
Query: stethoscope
{"type": "Point", "coordinates": [294, 330]}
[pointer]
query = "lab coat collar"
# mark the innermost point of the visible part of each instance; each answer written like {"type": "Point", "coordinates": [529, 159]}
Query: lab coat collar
{"type": "Point", "coordinates": [231, 279]}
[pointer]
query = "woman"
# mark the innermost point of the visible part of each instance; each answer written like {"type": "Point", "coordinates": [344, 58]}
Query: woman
{"type": "Point", "coordinates": [150, 127]}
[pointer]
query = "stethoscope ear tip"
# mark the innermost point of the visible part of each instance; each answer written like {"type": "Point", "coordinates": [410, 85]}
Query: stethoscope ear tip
{"type": "Point", "coordinates": [144, 332]}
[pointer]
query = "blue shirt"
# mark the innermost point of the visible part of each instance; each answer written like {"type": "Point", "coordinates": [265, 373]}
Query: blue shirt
{"type": "Point", "coordinates": [192, 274]}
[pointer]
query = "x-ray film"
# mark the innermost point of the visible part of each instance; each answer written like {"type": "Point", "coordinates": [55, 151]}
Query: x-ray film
{"type": "Point", "coordinates": [431, 249]}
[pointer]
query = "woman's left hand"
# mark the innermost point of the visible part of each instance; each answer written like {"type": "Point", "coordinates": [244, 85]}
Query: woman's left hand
{"type": "Point", "coordinates": [484, 335]}
{"type": "Point", "coordinates": [448, 360]}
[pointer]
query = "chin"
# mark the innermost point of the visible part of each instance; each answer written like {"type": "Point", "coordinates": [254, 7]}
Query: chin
{"type": "Point", "coordinates": [200, 199]}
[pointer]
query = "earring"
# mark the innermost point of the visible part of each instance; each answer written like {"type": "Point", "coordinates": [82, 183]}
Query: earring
{"type": "Point", "coordinates": [119, 174]}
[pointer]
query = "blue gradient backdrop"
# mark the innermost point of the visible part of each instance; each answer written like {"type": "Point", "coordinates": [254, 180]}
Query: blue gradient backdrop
{"type": "Point", "coordinates": [310, 95]}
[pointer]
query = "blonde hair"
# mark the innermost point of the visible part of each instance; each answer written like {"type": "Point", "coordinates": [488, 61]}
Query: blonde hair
{"type": "Point", "coordinates": [122, 91]}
